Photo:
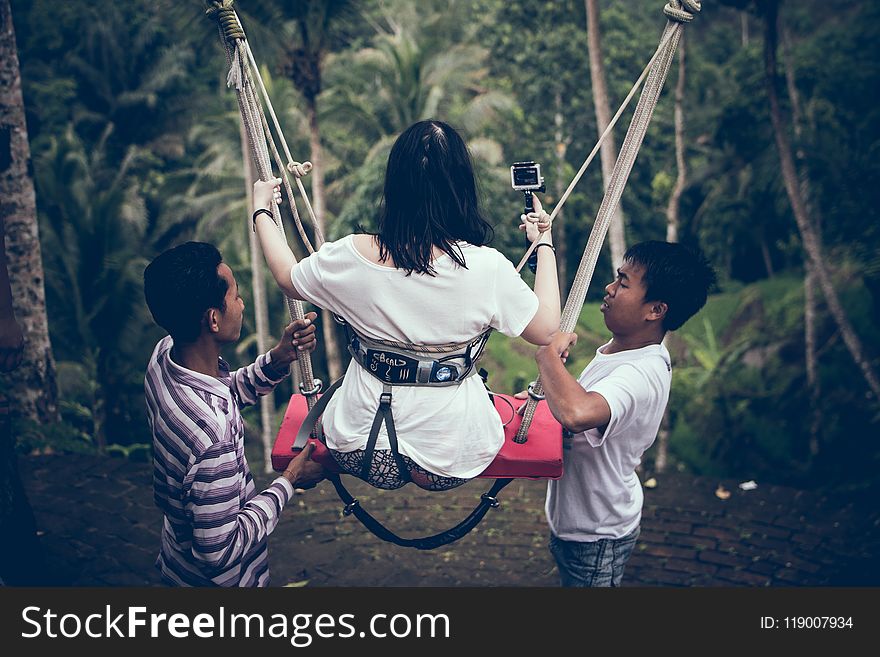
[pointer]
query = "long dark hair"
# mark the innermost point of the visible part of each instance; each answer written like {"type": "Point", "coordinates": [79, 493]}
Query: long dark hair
{"type": "Point", "coordinates": [430, 199]}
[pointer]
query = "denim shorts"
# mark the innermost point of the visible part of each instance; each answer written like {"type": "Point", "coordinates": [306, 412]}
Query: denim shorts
{"type": "Point", "coordinates": [593, 564]}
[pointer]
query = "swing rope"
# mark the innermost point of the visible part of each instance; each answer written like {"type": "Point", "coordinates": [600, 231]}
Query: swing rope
{"type": "Point", "coordinates": [678, 12]}
{"type": "Point", "coordinates": [260, 141]}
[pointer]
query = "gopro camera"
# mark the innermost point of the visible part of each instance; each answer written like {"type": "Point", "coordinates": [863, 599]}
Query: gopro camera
{"type": "Point", "coordinates": [526, 177]}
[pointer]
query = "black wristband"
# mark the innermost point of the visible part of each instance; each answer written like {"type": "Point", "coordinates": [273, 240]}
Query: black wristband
{"type": "Point", "coordinates": [533, 259]}
{"type": "Point", "coordinates": [258, 213]}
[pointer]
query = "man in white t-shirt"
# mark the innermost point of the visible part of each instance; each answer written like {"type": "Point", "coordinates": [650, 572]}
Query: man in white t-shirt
{"type": "Point", "coordinates": [613, 410]}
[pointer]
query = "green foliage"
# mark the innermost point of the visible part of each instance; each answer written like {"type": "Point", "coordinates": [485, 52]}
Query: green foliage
{"type": "Point", "coordinates": [137, 452]}
{"type": "Point", "coordinates": [31, 438]}
{"type": "Point", "coordinates": [740, 406]}
{"type": "Point", "coordinates": [136, 147]}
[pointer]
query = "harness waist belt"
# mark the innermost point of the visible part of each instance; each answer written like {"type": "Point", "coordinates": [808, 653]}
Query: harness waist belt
{"type": "Point", "coordinates": [397, 366]}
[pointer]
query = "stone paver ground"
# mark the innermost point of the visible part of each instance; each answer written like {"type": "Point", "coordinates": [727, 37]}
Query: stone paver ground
{"type": "Point", "coordinates": [100, 528]}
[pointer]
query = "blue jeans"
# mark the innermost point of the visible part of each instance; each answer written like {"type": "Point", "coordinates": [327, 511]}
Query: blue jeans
{"type": "Point", "coordinates": [598, 563]}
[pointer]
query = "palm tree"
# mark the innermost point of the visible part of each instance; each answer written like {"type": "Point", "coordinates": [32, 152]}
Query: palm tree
{"type": "Point", "coordinates": [672, 208]}
{"type": "Point", "coordinates": [408, 76]}
{"type": "Point", "coordinates": [133, 69]}
{"type": "Point", "coordinates": [261, 310]}
{"type": "Point", "coordinates": [410, 73]}
{"type": "Point", "coordinates": [94, 231]}
{"type": "Point", "coordinates": [33, 381]}
{"type": "Point", "coordinates": [209, 195]}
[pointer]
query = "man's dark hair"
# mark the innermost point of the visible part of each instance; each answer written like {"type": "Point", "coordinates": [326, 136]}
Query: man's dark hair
{"type": "Point", "coordinates": [430, 198]}
{"type": "Point", "coordinates": [674, 274]}
{"type": "Point", "coordinates": [181, 284]}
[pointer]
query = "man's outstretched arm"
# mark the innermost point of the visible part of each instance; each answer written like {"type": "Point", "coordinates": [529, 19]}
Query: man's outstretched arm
{"type": "Point", "coordinates": [573, 407]}
{"type": "Point", "coordinates": [260, 377]}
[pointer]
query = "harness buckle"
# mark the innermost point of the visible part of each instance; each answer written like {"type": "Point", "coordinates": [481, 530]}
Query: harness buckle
{"type": "Point", "coordinates": [317, 385]}
{"type": "Point", "coordinates": [350, 507]}
{"type": "Point", "coordinates": [534, 395]}
{"type": "Point", "coordinates": [493, 501]}
{"type": "Point", "coordinates": [385, 399]}
{"type": "Point", "coordinates": [444, 373]}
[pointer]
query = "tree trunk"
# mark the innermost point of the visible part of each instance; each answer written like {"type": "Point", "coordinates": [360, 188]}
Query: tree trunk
{"type": "Point", "coordinates": [672, 208]}
{"type": "Point", "coordinates": [765, 254]}
{"type": "Point", "coordinates": [810, 301]}
{"type": "Point", "coordinates": [672, 223]}
{"type": "Point", "coordinates": [33, 383]}
{"type": "Point", "coordinates": [328, 325]}
{"type": "Point", "coordinates": [22, 560]}
{"type": "Point", "coordinates": [812, 243]}
{"type": "Point", "coordinates": [35, 391]}
{"type": "Point", "coordinates": [810, 355]}
{"type": "Point", "coordinates": [608, 153]}
{"type": "Point", "coordinates": [261, 310]}
{"type": "Point", "coordinates": [99, 401]}
{"type": "Point", "coordinates": [562, 142]}
{"type": "Point", "coordinates": [744, 28]}
{"type": "Point", "coordinates": [794, 96]}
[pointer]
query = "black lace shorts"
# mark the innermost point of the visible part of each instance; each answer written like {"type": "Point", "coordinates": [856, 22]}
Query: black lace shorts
{"type": "Point", "coordinates": [385, 474]}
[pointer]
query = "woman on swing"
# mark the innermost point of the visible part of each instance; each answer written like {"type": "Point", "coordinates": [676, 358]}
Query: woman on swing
{"type": "Point", "coordinates": [426, 278]}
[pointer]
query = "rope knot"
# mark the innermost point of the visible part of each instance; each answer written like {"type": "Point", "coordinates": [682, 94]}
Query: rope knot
{"type": "Point", "coordinates": [299, 169]}
{"type": "Point", "coordinates": [682, 11]}
{"type": "Point", "coordinates": [224, 13]}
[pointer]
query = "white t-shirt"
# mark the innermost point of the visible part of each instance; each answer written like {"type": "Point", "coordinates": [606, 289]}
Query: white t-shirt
{"type": "Point", "coordinates": [599, 495]}
{"type": "Point", "coordinates": [450, 431]}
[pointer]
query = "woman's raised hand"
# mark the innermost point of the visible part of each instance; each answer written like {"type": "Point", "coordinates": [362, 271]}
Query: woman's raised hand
{"type": "Point", "coordinates": [536, 222]}
{"type": "Point", "coordinates": [267, 191]}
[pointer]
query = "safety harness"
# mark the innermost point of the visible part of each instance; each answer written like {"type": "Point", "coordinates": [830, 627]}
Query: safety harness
{"type": "Point", "coordinates": [400, 364]}
{"type": "Point", "coordinates": [397, 364]}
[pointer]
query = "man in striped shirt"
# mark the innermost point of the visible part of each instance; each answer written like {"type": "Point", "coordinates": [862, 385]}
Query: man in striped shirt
{"type": "Point", "coordinates": [215, 525]}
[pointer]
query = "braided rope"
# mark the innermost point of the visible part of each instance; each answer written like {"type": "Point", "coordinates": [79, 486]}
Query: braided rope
{"type": "Point", "coordinates": [661, 63]}
{"type": "Point", "coordinates": [256, 129]}
{"type": "Point", "coordinates": [684, 13]}
{"type": "Point", "coordinates": [299, 170]}
{"type": "Point", "coordinates": [286, 181]}
{"type": "Point", "coordinates": [222, 11]}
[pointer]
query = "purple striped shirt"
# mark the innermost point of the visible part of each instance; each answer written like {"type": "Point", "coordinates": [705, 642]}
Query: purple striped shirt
{"type": "Point", "coordinates": [215, 526]}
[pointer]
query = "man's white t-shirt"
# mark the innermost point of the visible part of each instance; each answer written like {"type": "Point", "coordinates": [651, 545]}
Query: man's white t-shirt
{"type": "Point", "coordinates": [599, 495]}
{"type": "Point", "coordinates": [450, 431]}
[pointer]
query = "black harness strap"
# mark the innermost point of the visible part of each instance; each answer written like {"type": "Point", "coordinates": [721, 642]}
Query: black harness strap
{"type": "Point", "coordinates": [383, 414]}
{"type": "Point", "coordinates": [352, 506]}
{"type": "Point", "coordinates": [307, 426]}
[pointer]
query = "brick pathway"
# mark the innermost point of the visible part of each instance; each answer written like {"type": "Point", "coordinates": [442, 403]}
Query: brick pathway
{"type": "Point", "coordinates": [99, 527]}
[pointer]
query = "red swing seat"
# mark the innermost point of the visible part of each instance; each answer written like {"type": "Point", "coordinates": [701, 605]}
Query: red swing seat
{"type": "Point", "coordinates": [540, 457]}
